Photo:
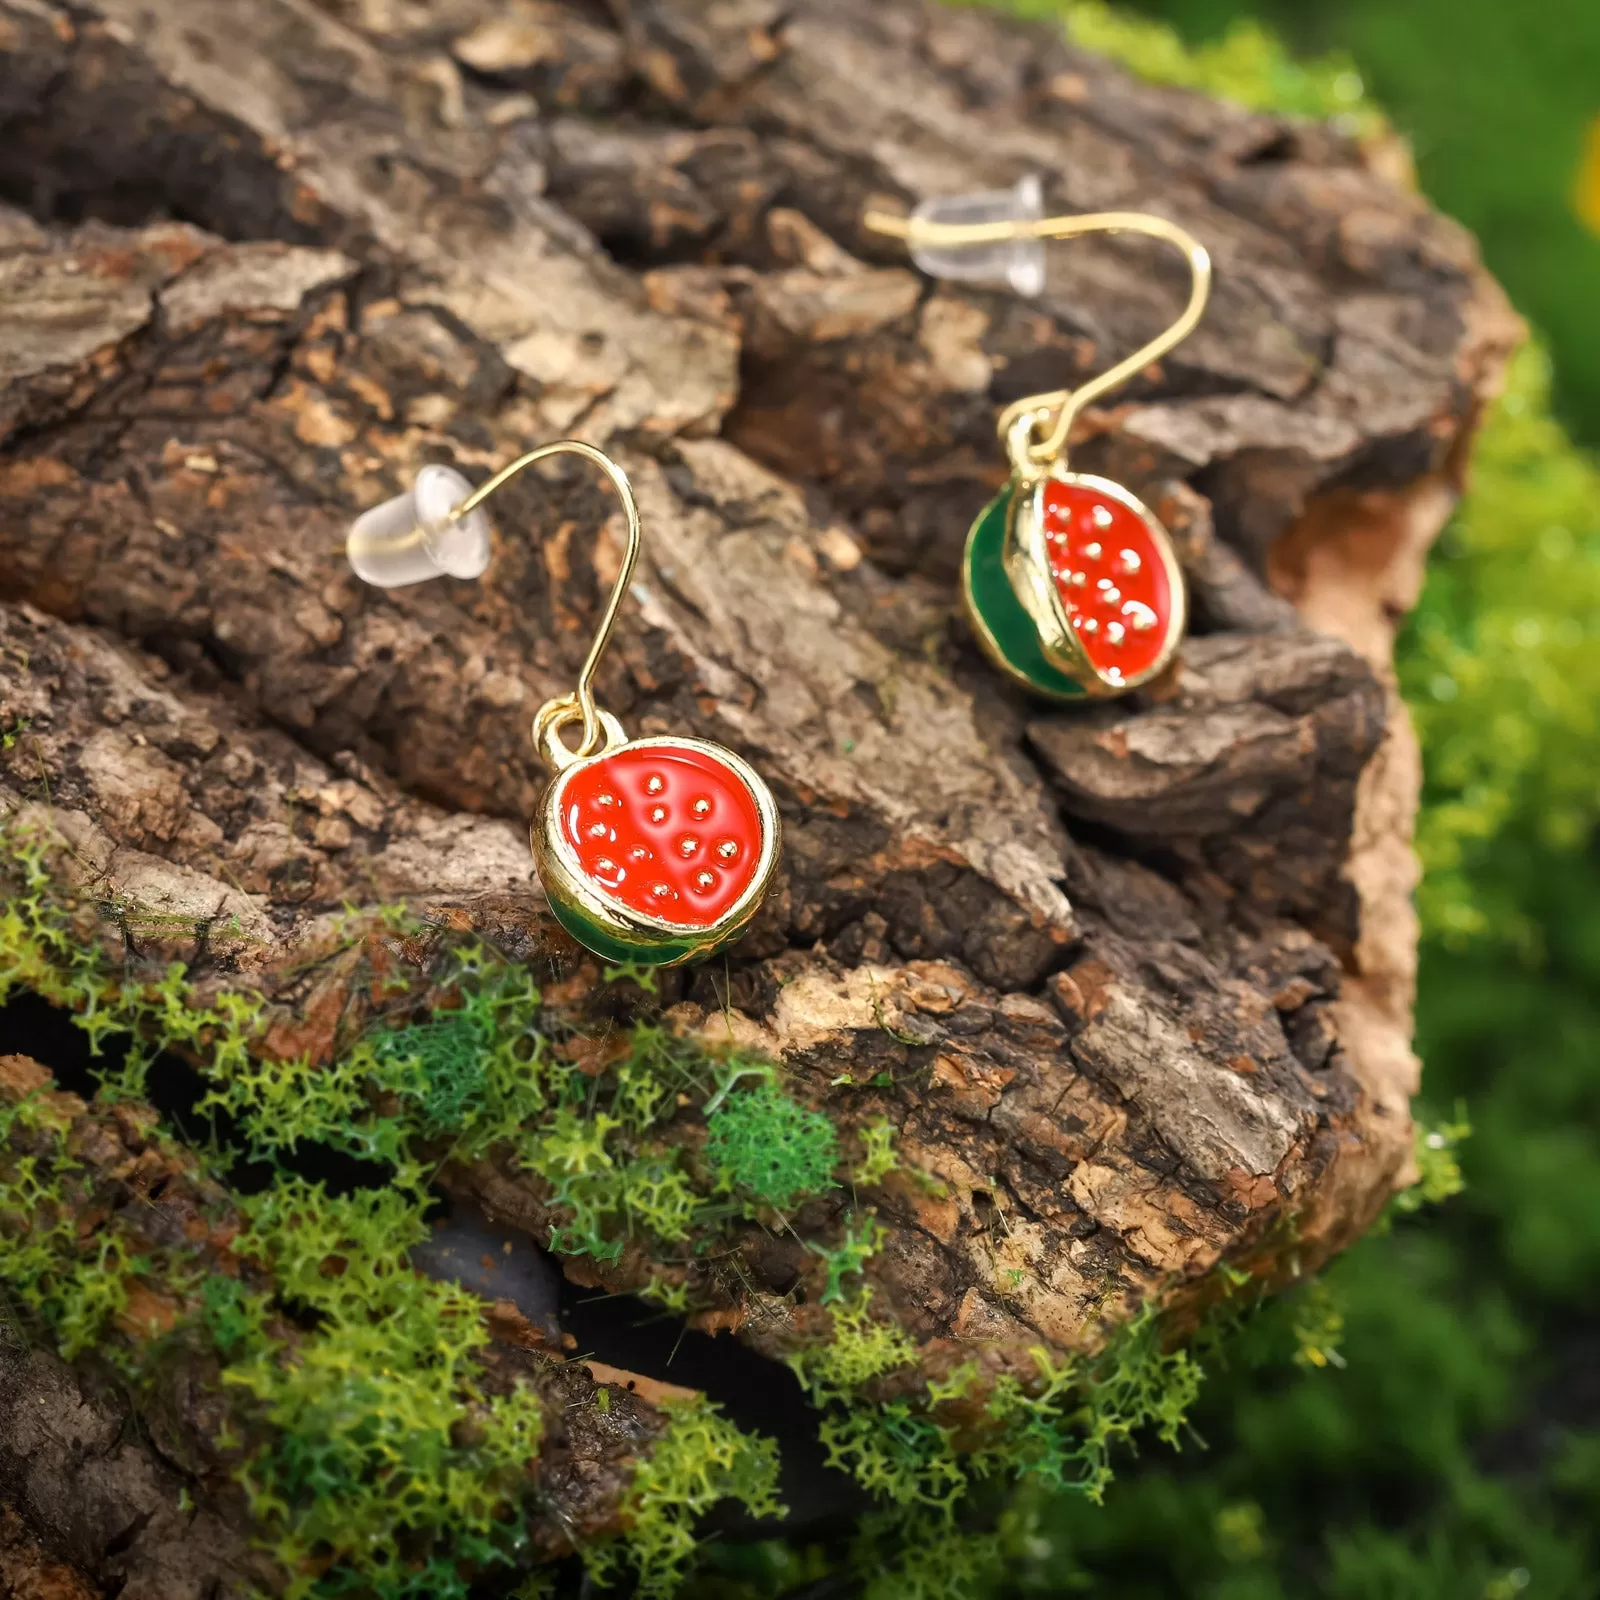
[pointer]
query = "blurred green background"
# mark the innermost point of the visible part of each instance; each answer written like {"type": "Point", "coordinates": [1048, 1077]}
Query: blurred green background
{"type": "Point", "coordinates": [1495, 98]}
{"type": "Point", "coordinates": [1450, 1449]}
{"type": "Point", "coordinates": [1424, 1422]}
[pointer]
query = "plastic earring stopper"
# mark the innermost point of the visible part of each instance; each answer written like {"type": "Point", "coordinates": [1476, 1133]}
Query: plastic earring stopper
{"type": "Point", "coordinates": [413, 537]}
{"type": "Point", "coordinates": [1016, 262]}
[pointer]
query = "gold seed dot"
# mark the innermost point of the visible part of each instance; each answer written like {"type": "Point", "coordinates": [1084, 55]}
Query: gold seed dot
{"type": "Point", "coordinates": [598, 830]}
{"type": "Point", "coordinates": [1102, 517]}
{"type": "Point", "coordinates": [1131, 562]}
{"type": "Point", "coordinates": [728, 849]}
{"type": "Point", "coordinates": [704, 880]}
{"type": "Point", "coordinates": [1090, 626]}
{"type": "Point", "coordinates": [662, 891]}
{"type": "Point", "coordinates": [658, 813]}
{"type": "Point", "coordinates": [1094, 550]}
{"type": "Point", "coordinates": [688, 845]}
{"type": "Point", "coordinates": [654, 784]}
{"type": "Point", "coordinates": [1115, 632]}
{"type": "Point", "coordinates": [701, 807]}
{"type": "Point", "coordinates": [604, 799]}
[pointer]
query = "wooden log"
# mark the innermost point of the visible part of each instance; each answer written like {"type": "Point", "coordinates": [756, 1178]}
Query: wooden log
{"type": "Point", "coordinates": [1134, 983]}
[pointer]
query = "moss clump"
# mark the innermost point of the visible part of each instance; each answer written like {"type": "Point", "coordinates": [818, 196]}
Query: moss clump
{"type": "Point", "coordinates": [376, 1461]}
{"type": "Point", "coordinates": [76, 1285]}
{"type": "Point", "coordinates": [386, 1455]}
{"type": "Point", "coordinates": [911, 1559]}
{"type": "Point", "coordinates": [1060, 1430]}
{"type": "Point", "coordinates": [861, 1348]}
{"type": "Point", "coordinates": [1248, 64]}
{"type": "Point", "coordinates": [764, 1145]}
{"type": "Point", "coordinates": [1064, 1429]}
{"type": "Point", "coordinates": [1503, 676]}
{"type": "Point", "coordinates": [849, 1258]}
{"type": "Point", "coordinates": [378, 1464]}
{"type": "Point", "coordinates": [698, 1461]}
{"type": "Point", "coordinates": [448, 1062]}
{"type": "Point", "coordinates": [1439, 1176]}
{"type": "Point", "coordinates": [898, 1454]}
{"type": "Point", "coordinates": [878, 1158]}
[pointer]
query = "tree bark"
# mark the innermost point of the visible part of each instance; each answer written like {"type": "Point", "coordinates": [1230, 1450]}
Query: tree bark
{"type": "Point", "coordinates": [1139, 976]}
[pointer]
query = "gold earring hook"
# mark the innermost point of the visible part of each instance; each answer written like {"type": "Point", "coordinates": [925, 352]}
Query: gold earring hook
{"type": "Point", "coordinates": [559, 711]}
{"type": "Point", "coordinates": [1020, 421]}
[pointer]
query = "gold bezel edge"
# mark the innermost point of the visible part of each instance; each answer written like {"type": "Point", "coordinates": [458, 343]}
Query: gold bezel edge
{"type": "Point", "coordinates": [567, 883]}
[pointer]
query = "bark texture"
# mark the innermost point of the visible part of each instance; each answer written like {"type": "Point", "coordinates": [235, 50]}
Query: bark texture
{"type": "Point", "coordinates": [1138, 977]}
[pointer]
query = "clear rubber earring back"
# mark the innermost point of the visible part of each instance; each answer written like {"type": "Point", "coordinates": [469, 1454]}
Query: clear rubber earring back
{"type": "Point", "coordinates": [1017, 263]}
{"type": "Point", "coordinates": [415, 536]}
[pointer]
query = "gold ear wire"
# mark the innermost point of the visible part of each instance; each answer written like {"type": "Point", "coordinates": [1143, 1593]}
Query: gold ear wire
{"type": "Point", "coordinates": [581, 702]}
{"type": "Point", "coordinates": [1020, 422]}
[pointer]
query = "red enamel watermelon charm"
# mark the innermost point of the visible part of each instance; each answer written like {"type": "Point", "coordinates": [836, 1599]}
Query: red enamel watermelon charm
{"type": "Point", "coordinates": [655, 850]}
{"type": "Point", "coordinates": [1074, 588]}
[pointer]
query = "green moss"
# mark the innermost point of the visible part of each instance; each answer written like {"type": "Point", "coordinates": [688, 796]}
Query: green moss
{"type": "Point", "coordinates": [765, 1146]}
{"type": "Point", "coordinates": [604, 1199]}
{"type": "Point", "coordinates": [386, 1456]}
{"type": "Point", "coordinates": [861, 1348]}
{"type": "Point", "coordinates": [1439, 1173]}
{"type": "Point", "coordinates": [671, 1294]}
{"type": "Point", "coordinates": [878, 1158]}
{"type": "Point", "coordinates": [377, 1439]}
{"type": "Point", "coordinates": [1503, 674]}
{"type": "Point", "coordinates": [455, 1085]}
{"type": "Point", "coordinates": [1247, 64]}
{"type": "Point", "coordinates": [924, 1453]}
{"type": "Point", "coordinates": [1318, 1326]}
{"type": "Point", "coordinates": [440, 1063]}
{"type": "Point", "coordinates": [1065, 1428]}
{"type": "Point", "coordinates": [73, 1284]}
{"type": "Point", "coordinates": [374, 1460]}
{"type": "Point", "coordinates": [922, 1558]}
{"type": "Point", "coordinates": [850, 1256]}
{"type": "Point", "coordinates": [700, 1460]}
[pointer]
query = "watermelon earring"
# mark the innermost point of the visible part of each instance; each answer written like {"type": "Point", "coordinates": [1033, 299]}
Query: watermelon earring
{"type": "Point", "coordinates": [654, 851]}
{"type": "Point", "coordinates": [1071, 583]}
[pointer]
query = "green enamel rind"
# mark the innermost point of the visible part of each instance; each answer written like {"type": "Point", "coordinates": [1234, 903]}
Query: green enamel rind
{"type": "Point", "coordinates": [1004, 628]}
{"type": "Point", "coordinates": [602, 943]}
